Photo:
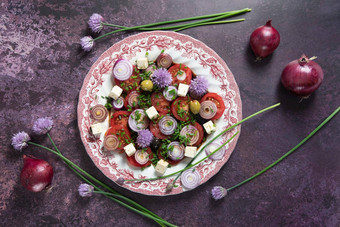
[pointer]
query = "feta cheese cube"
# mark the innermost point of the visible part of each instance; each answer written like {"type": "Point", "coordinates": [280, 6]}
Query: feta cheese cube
{"type": "Point", "coordinates": [209, 127]}
{"type": "Point", "coordinates": [161, 166]}
{"type": "Point", "coordinates": [152, 112]}
{"type": "Point", "coordinates": [130, 149]}
{"type": "Point", "coordinates": [97, 129]}
{"type": "Point", "coordinates": [115, 92]}
{"type": "Point", "coordinates": [142, 63]}
{"type": "Point", "coordinates": [183, 89]}
{"type": "Point", "coordinates": [190, 151]}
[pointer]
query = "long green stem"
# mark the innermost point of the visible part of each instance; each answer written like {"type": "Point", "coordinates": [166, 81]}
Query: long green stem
{"type": "Point", "coordinates": [77, 168]}
{"type": "Point", "coordinates": [188, 166]}
{"type": "Point", "coordinates": [182, 19]}
{"type": "Point", "coordinates": [226, 130]}
{"type": "Point", "coordinates": [289, 152]}
{"type": "Point", "coordinates": [209, 23]}
{"type": "Point", "coordinates": [109, 188]}
{"type": "Point", "coordinates": [143, 27]}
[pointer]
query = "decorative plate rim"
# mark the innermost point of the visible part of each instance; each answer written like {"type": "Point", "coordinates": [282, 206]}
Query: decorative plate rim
{"type": "Point", "coordinates": [198, 44]}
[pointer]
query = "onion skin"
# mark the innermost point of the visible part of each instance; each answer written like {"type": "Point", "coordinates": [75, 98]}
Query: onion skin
{"type": "Point", "coordinates": [264, 40]}
{"type": "Point", "coordinates": [36, 174]}
{"type": "Point", "coordinates": [302, 76]}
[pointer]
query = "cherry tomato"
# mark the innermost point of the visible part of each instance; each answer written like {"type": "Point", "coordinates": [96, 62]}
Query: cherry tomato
{"type": "Point", "coordinates": [122, 133]}
{"type": "Point", "coordinates": [218, 101]}
{"type": "Point", "coordinates": [132, 83]}
{"type": "Point", "coordinates": [132, 160]}
{"type": "Point", "coordinates": [180, 108]}
{"type": "Point", "coordinates": [160, 103]}
{"type": "Point", "coordinates": [120, 118]}
{"type": "Point", "coordinates": [180, 74]}
{"type": "Point", "coordinates": [201, 134]}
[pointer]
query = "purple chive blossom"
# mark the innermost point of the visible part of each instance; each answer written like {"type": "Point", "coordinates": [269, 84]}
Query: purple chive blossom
{"type": "Point", "coordinates": [218, 192]}
{"type": "Point", "coordinates": [198, 87]}
{"type": "Point", "coordinates": [120, 181]}
{"type": "Point", "coordinates": [19, 140]}
{"type": "Point", "coordinates": [42, 125]}
{"type": "Point", "coordinates": [87, 43]}
{"type": "Point", "coordinates": [144, 138]}
{"type": "Point", "coordinates": [95, 22]}
{"type": "Point", "coordinates": [85, 190]}
{"type": "Point", "coordinates": [161, 77]}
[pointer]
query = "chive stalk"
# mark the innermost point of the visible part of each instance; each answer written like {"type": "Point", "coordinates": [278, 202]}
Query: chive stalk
{"type": "Point", "coordinates": [289, 152]}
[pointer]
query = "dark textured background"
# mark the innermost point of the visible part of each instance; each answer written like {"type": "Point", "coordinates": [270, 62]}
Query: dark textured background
{"type": "Point", "coordinates": [42, 69]}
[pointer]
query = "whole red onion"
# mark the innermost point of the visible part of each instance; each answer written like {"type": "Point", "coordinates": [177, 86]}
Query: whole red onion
{"type": "Point", "coordinates": [302, 76]}
{"type": "Point", "coordinates": [264, 40]}
{"type": "Point", "coordinates": [36, 174]}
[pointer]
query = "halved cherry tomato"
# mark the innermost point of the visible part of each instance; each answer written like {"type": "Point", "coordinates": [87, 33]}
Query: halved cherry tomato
{"type": "Point", "coordinates": [180, 74]}
{"type": "Point", "coordinates": [154, 128]}
{"type": "Point", "coordinates": [134, 104]}
{"type": "Point", "coordinates": [132, 160]}
{"type": "Point", "coordinates": [122, 133]}
{"type": "Point", "coordinates": [132, 83]}
{"type": "Point", "coordinates": [180, 108]}
{"type": "Point", "coordinates": [170, 161]}
{"type": "Point", "coordinates": [201, 134]}
{"type": "Point", "coordinates": [120, 118]}
{"type": "Point", "coordinates": [160, 103]}
{"type": "Point", "coordinates": [218, 101]}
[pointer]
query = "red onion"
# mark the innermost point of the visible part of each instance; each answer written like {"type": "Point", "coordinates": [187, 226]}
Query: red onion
{"type": "Point", "coordinates": [208, 109]}
{"type": "Point", "coordinates": [264, 40]}
{"type": "Point", "coordinates": [190, 132]}
{"type": "Point", "coordinates": [170, 93]}
{"type": "Point", "coordinates": [164, 60]}
{"type": "Point", "coordinates": [133, 99]}
{"type": "Point", "coordinates": [36, 174]}
{"type": "Point", "coordinates": [167, 125]}
{"type": "Point", "coordinates": [190, 178]}
{"type": "Point", "coordinates": [99, 113]}
{"type": "Point", "coordinates": [151, 68]}
{"type": "Point", "coordinates": [177, 152]}
{"type": "Point", "coordinates": [141, 157]}
{"type": "Point", "coordinates": [138, 120]}
{"type": "Point", "coordinates": [122, 70]}
{"type": "Point", "coordinates": [302, 76]}
{"type": "Point", "coordinates": [118, 103]}
{"type": "Point", "coordinates": [111, 142]}
{"type": "Point", "coordinates": [218, 155]}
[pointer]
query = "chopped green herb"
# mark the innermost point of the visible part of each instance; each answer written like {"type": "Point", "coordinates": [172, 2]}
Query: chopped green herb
{"type": "Point", "coordinates": [162, 51]}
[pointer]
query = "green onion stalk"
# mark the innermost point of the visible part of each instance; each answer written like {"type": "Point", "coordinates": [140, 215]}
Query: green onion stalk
{"type": "Point", "coordinates": [152, 26]}
{"type": "Point", "coordinates": [112, 194]}
{"type": "Point", "coordinates": [190, 165]}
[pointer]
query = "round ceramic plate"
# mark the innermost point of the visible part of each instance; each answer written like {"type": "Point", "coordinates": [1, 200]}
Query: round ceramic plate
{"type": "Point", "coordinates": [202, 60]}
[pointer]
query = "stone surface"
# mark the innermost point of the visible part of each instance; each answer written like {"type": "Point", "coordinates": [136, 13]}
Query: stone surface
{"type": "Point", "coordinates": [42, 69]}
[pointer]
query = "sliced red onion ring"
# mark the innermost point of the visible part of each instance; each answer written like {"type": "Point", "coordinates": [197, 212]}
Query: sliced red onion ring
{"type": "Point", "coordinates": [190, 178]}
{"type": "Point", "coordinates": [190, 132]}
{"type": "Point", "coordinates": [133, 99]}
{"type": "Point", "coordinates": [181, 75]}
{"type": "Point", "coordinates": [141, 157]}
{"type": "Point", "coordinates": [164, 60]}
{"type": "Point", "coordinates": [138, 120]}
{"type": "Point", "coordinates": [151, 68]}
{"type": "Point", "coordinates": [111, 142]}
{"type": "Point", "coordinates": [167, 125]}
{"type": "Point", "coordinates": [122, 69]}
{"type": "Point", "coordinates": [177, 152]}
{"type": "Point", "coordinates": [99, 112]}
{"type": "Point", "coordinates": [118, 103]}
{"type": "Point", "coordinates": [208, 109]}
{"type": "Point", "coordinates": [218, 155]}
{"type": "Point", "coordinates": [170, 93]}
